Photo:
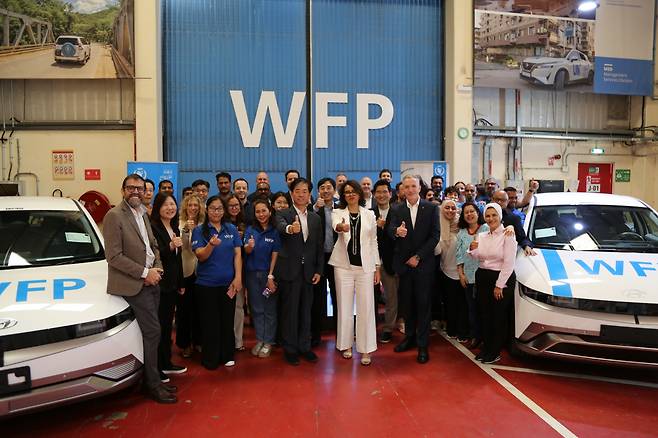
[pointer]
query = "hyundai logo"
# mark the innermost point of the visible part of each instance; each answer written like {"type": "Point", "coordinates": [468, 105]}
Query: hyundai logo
{"type": "Point", "coordinates": [6, 323]}
{"type": "Point", "coordinates": [630, 294]}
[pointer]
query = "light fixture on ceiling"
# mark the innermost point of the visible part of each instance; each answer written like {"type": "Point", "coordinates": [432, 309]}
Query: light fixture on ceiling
{"type": "Point", "coordinates": [587, 6]}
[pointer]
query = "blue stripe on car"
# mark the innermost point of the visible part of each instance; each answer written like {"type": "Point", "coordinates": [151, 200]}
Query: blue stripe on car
{"type": "Point", "coordinates": [557, 273]}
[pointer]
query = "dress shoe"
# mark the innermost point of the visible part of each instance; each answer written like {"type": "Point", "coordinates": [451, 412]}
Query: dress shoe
{"type": "Point", "coordinates": [475, 343]}
{"type": "Point", "coordinates": [171, 388]}
{"type": "Point", "coordinates": [161, 395]}
{"type": "Point", "coordinates": [291, 358]}
{"type": "Point", "coordinates": [310, 356]}
{"type": "Point", "coordinates": [407, 344]}
{"type": "Point", "coordinates": [423, 355]}
{"type": "Point", "coordinates": [164, 378]}
{"type": "Point", "coordinates": [386, 337]}
{"type": "Point", "coordinates": [174, 369]}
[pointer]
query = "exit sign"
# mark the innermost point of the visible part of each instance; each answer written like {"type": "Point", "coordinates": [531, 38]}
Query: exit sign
{"type": "Point", "coordinates": [622, 175]}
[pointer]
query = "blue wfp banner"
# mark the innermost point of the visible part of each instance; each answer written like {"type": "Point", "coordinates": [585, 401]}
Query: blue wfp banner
{"type": "Point", "coordinates": [156, 171]}
{"type": "Point", "coordinates": [440, 168]}
{"type": "Point", "coordinates": [624, 47]}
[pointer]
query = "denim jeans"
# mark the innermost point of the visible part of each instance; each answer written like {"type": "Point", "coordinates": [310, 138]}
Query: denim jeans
{"type": "Point", "coordinates": [263, 309]}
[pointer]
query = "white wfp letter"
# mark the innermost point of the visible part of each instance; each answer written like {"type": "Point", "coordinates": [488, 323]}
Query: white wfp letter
{"type": "Point", "coordinates": [251, 137]}
{"type": "Point", "coordinates": [363, 123]}
{"type": "Point", "coordinates": [322, 118]}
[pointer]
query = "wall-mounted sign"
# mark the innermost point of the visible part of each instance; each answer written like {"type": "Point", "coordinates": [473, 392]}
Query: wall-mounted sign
{"type": "Point", "coordinates": [156, 171]}
{"type": "Point", "coordinates": [622, 175]}
{"type": "Point", "coordinates": [63, 165]}
{"type": "Point", "coordinates": [92, 174]}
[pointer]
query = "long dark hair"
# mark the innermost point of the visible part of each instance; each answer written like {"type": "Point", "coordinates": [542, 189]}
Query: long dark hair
{"type": "Point", "coordinates": [239, 223]}
{"type": "Point", "coordinates": [342, 203]}
{"type": "Point", "coordinates": [462, 220]}
{"type": "Point", "coordinates": [269, 207]}
{"type": "Point", "coordinates": [205, 229]}
{"type": "Point", "coordinates": [160, 199]}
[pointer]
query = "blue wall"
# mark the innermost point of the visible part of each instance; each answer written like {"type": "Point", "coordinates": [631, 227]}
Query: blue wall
{"type": "Point", "coordinates": [387, 47]}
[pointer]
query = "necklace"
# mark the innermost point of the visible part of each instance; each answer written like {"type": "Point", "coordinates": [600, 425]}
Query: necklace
{"type": "Point", "coordinates": [355, 218]}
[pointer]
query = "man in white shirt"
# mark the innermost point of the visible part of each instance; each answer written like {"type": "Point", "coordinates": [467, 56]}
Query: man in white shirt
{"type": "Point", "coordinates": [366, 186]}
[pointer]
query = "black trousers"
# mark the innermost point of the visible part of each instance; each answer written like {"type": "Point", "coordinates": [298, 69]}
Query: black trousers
{"type": "Point", "coordinates": [145, 306]}
{"type": "Point", "coordinates": [188, 323]}
{"type": "Point", "coordinates": [494, 314]}
{"type": "Point", "coordinates": [456, 308]}
{"type": "Point", "coordinates": [166, 309]}
{"type": "Point", "coordinates": [438, 292]}
{"type": "Point", "coordinates": [319, 307]}
{"type": "Point", "coordinates": [295, 319]}
{"type": "Point", "coordinates": [416, 289]}
{"type": "Point", "coordinates": [217, 312]}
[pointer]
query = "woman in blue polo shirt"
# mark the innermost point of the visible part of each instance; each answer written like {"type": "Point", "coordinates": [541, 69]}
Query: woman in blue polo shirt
{"type": "Point", "coordinates": [262, 244]}
{"type": "Point", "coordinates": [217, 245]}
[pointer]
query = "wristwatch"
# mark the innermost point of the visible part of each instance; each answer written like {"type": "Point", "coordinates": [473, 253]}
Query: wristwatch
{"type": "Point", "coordinates": [270, 277]}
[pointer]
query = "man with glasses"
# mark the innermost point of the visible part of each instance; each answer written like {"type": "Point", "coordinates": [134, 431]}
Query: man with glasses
{"type": "Point", "coordinates": [134, 271]}
{"type": "Point", "coordinates": [201, 188]}
{"type": "Point", "coordinates": [261, 177]}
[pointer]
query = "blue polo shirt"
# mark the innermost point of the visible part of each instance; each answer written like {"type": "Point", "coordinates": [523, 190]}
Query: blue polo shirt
{"type": "Point", "coordinates": [218, 269]}
{"type": "Point", "coordinates": [267, 242]}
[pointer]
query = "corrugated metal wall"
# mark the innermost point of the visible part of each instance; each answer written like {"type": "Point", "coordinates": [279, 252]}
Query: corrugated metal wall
{"type": "Point", "coordinates": [383, 47]}
{"type": "Point", "coordinates": [68, 101]}
{"type": "Point", "coordinates": [544, 109]}
{"type": "Point", "coordinates": [393, 48]}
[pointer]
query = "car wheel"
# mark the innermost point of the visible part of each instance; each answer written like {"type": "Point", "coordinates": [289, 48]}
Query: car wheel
{"type": "Point", "coordinates": [560, 80]}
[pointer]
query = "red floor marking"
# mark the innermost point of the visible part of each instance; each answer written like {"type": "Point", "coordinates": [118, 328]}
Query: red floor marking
{"type": "Point", "coordinates": [333, 398]}
{"type": "Point", "coordinates": [592, 408]}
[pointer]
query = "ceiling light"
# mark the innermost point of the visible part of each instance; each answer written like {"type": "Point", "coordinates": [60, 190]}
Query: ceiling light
{"type": "Point", "coordinates": [587, 6]}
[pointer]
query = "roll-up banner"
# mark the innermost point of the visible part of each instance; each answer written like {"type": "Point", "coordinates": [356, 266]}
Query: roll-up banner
{"type": "Point", "coordinates": [624, 47]}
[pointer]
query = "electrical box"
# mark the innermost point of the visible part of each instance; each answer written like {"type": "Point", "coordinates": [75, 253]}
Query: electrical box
{"type": "Point", "coordinates": [10, 188]}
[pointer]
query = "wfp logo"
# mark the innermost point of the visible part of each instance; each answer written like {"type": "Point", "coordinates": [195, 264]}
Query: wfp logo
{"type": "Point", "coordinates": [6, 323]}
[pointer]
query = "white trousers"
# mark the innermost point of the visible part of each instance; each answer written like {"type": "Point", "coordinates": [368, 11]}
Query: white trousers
{"type": "Point", "coordinates": [351, 282]}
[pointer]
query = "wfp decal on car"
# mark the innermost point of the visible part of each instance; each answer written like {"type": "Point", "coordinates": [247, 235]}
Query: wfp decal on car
{"type": "Point", "coordinates": [560, 279]}
{"type": "Point", "coordinates": [26, 287]}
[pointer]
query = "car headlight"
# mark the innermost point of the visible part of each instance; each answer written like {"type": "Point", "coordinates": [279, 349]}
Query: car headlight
{"type": "Point", "coordinates": [544, 66]}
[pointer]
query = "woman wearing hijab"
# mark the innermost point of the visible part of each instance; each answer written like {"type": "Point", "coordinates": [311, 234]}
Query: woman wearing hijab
{"type": "Point", "coordinates": [455, 298]}
{"type": "Point", "coordinates": [495, 281]}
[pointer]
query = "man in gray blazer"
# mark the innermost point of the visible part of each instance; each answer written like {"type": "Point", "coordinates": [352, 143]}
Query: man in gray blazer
{"type": "Point", "coordinates": [299, 266]}
{"type": "Point", "coordinates": [134, 271]}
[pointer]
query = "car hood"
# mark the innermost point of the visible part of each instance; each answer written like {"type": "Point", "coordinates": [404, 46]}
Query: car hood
{"type": "Point", "coordinates": [47, 297]}
{"type": "Point", "coordinates": [606, 276]}
{"type": "Point", "coordinates": [542, 60]}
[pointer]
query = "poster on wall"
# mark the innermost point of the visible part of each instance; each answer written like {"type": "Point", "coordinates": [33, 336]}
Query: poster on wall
{"type": "Point", "coordinates": [156, 171]}
{"type": "Point", "coordinates": [67, 39]}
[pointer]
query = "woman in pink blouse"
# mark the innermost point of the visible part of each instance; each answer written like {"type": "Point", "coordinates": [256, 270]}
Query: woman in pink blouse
{"type": "Point", "coordinates": [495, 281]}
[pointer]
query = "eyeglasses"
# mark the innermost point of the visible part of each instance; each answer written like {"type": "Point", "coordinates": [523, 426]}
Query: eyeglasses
{"type": "Point", "coordinates": [139, 189]}
{"type": "Point", "coordinates": [263, 189]}
{"type": "Point", "coordinates": [234, 206]}
{"type": "Point", "coordinates": [215, 209]}
{"type": "Point", "coordinates": [346, 193]}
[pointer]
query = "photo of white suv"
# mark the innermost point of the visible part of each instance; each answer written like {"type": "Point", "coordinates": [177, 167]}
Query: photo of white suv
{"type": "Point", "coordinates": [557, 72]}
{"type": "Point", "coordinates": [591, 292]}
{"type": "Point", "coordinates": [72, 48]}
{"type": "Point", "coordinates": [62, 337]}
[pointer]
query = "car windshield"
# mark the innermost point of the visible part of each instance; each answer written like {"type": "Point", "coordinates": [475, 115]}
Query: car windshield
{"type": "Point", "coordinates": [44, 238]}
{"type": "Point", "coordinates": [595, 228]}
{"type": "Point", "coordinates": [64, 40]}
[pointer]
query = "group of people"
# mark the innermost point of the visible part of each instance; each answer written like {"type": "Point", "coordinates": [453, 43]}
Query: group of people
{"type": "Point", "coordinates": [438, 258]}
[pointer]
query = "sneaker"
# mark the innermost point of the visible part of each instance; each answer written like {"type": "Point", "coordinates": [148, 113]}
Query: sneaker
{"type": "Point", "coordinates": [265, 351]}
{"type": "Point", "coordinates": [187, 352]}
{"type": "Point", "coordinates": [174, 369]}
{"type": "Point", "coordinates": [386, 337]}
{"type": "Point", "coordinates": [164, 378]}
{"type": "Point", "coordinates": [435, 325]}
{"type": "Point", "coordinates": [401, 328]}
{"type": "Point", "coordinates": [479, 357]}
{"type": "Point", "coordinates": [230, 363]}
{"type": "Point", "coordinates": [240, 348]}
{"type": "Point", "coordinates": [491, 360]}
{"type": "Point", "coordinates": [257, 348]}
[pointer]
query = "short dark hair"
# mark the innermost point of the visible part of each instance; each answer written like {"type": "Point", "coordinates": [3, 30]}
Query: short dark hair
{"type": "Point", "coordinates": [462, 221]}
{"type": "Point", "coordinates": [241, 179]}
{"type": "Point", "coordinates": [223, 175]}
{"type": "Point", "coordinates": [276, 196]}
{"type": "Point", "coordinates": [132, 176]}
{"type": "Point", "coordinates": [341, 173]}
{"type": "Point", "coordinates": [327, 179]}
{"type": "Point", "coordinates": [164, 181]}
{"type": "Point", "coordinates": [385, 170]}
{"type": "Point", "coordinates": [436, 177]}
{"type": "Point", "coordinates": [510, 189]}
{"type": "Point", "coordinates": [300, 180]}
{"type": "Point", "coordinates": [292, 171]}
{"type": "Point", "coordinates": [150, 181]}
{"type": "Point", "coordinates": [160, 199]}
{"type": "Point", "coordinates": [201, 182]}
{"type": "Point", "coordinates": [450, 189]}
{"type": "Point", "coordinates": [382, 182]}
{"type": "Point", "coordinates": [342, 203]}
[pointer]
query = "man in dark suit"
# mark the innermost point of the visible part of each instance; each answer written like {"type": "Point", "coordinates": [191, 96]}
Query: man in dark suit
{"type": "Point", "coordinates": [415, 227]}
{"type": "Point", "coordinates": [299, 267]}
{"type": "Point", "coordinates": [389, 279]}
{"type": "Point", "coordinates": [134, 271]}
{"type": "Point", "coordinates": [324, 207]}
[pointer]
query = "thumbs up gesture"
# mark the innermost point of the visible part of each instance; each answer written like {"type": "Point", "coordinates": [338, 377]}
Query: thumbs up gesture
{"type": "Point", "coordinates": [342, 227]}
{"type": "Point", "coordinates": [474, 243]}
{"type": "Point", "coordinates": [251, 242]}
{"type": "Point", "coordinates": [381, 222]}
{"type": "Point", "coordinates": [189, 224]}
{"type": "Point", "coordinates": [319, 203]}
{"type": "Point", "coordinates": [177, 242]}
{"type": "Point", "coordinates": [401, 231]}
{"type": "Point", "coordinates": [296, 227]}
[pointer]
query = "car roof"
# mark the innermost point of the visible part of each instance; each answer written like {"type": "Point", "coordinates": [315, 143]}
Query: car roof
{"type": "Point", "coordinates": [37, 203]}
{"type": "Point", "coordinates": [579, 198]}
{"type": "Point", "coordinates": [68, 36]}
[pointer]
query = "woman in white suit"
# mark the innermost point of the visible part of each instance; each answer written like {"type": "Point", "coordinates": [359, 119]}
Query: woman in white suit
{"type": "Point", "coordinates": [355, 259]}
